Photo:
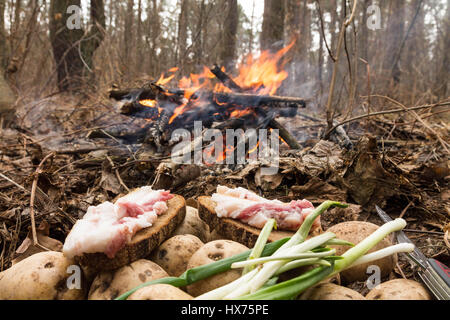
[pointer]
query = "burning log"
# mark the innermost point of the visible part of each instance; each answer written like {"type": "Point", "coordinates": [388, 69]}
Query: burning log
{"type": "Point", "coordinates": [226, 79]}
{"type": "Point", "coordinates": [284, 133]}
{"type": "Point", "coordinates": [242, 99]}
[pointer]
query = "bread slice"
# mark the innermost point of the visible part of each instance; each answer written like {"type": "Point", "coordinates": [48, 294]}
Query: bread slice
{"type": "Point", "coordinates": [142, 243]}
{"type": "Point", "coordinates": [234, 229]}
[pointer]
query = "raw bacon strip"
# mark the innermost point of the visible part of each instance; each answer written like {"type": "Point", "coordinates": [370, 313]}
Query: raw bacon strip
{"type": "Point", "coordinates": [109, 227]}
{"type": "Point", "coordinates": [244, 205]}
{"type": "Point", "coordinates": [141, 201]}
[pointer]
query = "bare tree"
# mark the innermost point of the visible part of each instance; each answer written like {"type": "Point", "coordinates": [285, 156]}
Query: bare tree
{"type": "Point", "coordinates": [73, 49]}
{"type": "Point", "coordinates": [228, 51]}
{"type": "Point", "coordinates": [273, 24]}
{"type": "Point", "coordinates": [182, 34]}
{"type": "Point", "coordinates": [395, 33]}
{"type": "Point", "coordinates": [3, 44]}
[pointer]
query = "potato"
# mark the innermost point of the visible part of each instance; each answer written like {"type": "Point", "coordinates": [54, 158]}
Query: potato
{"type": "Point", "coordinates": [399, 289]}
{"type": "Point", "coordinates": [173, 254]}
{"type": "Point", "coordinates": [330, 291]}
{"type": "Point", "coordinates": [109, 285]}
{"type": "Point", "coordinates": [355, 232]}
{"type": "Point", "coordinates": [160, 292]}
{"type": "Point", "coordinates": [192, 224]}
{"type": "Point", "coordinates": [42, 276]}
{"type": "Point", "coordinates": [210, 252]}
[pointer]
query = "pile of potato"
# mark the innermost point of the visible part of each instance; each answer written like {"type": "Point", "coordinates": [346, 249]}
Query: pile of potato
{"type": "Point", "coordinates": [45, 275]}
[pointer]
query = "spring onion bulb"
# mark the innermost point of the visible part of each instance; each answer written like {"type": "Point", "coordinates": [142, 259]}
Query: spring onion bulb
{"type": "Point", "coordinates": [219, 293]}
{"type": "Point", "coordinates": [383, 253]}
{"type": "Point", "coordinates": [260, 243]}
{"type": "Point", "coordinates": [351, 255]}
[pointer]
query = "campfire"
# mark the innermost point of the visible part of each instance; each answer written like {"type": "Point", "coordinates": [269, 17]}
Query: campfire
{"type": "Point", "coordinates": [217, 100]}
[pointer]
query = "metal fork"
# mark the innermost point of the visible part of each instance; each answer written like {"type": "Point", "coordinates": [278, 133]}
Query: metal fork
{"type": "Point", "coordinates": [434, 274]}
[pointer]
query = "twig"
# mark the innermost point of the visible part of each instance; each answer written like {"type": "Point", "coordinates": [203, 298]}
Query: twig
{"type": "Point", "coordinates": [400, 270]}
{"type": "Point", "coordinates": [118, 142]}
{"type": "Point", "coordinates": [113, 167]}
{"type": "Point", "coordinates": [406, 209]}
{"type": "Point", "coordinates": [447, 243]}
{"type": "Point", "coordinates": [424, 231]}
{"type": "Point", "coordinates": [443, 143]}
{"type": "Point", "coordinates": [33, 195]}
{"type": "Point", "coordinates": [323, 32]}
{"type": "Point", "coordinates": [329, 109]}
{"type": "Point", "coordinates": [386, 112]}
{"type": "Point", "coordinates": [14, 183]}
{"type": "Point", "coordinates": [121, 181]}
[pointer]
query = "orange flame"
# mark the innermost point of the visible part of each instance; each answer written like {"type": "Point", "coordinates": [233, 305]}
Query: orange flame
{"type": "Point", "coordinates": [149, 103]}
{"type": "Point", "coordinates": [262, 75]}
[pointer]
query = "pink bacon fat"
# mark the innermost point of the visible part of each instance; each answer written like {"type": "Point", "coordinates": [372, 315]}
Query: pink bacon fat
{"type": "Point", "coordinates": [244, 205]}
{"type": "Point", "coordinates": [109, 227]}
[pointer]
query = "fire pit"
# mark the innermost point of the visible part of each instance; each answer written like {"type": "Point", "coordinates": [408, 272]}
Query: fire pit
{"type": "Point", "coordinates": [217, 101]}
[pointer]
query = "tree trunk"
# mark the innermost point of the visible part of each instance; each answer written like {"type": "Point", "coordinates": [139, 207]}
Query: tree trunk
{"type": "Point", "coordinates": [228, 52]}
{"type": "Point", "coordinates": [320, 63]}
{"type": "Point", "coordinates": [182, 35]}
{"type": "Point", "coordinates": [442, 82]}
{"type": "Point", "coordinates": [395, 33]}
{"type": "Point", "coordinates": [139, 47]}
{"type": "Point", "coordinates": [364, 39]}
{"type": "Point", "coordinates": [69, 66]}
{"type": "Point", "coordinates": [3, 44]}
{"type": "Point", "coordinates": [332, 9]}
{"type": "Point", "coordinates": [128, 36]}
{"type": "Point", "coordinates": [198, 38]}
{"type": "Point", "coordinates": [272, 34]}
{"type": "Point", "coordinates": [71, 52]}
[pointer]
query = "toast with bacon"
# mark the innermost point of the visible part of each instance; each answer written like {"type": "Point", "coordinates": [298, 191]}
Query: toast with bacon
{"type": "Point", "coordinates": [142, 243]}
{"type": "Point", "coordinates": [234, 229]}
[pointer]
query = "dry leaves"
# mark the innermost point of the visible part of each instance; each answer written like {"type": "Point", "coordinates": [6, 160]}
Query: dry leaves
{"type": "Point", "coordinates": [45, 243]}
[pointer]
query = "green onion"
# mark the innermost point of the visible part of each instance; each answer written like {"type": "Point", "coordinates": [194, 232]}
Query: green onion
{"type": "Point", "coordinates": [290, 289]}
{"type": "Point", "coordinates": [380, 254]}
{"type": "Point", "coordinates": [351, 255]}
{"type": "Point", "coordinates": [299, 263]}
{"type": "Point", "coordinates": [260, 243]}
{"type": "Point", "coordinates": [221, 292]}
{"type": "Point", "coordinates": [205, 271]}
{"type": "Point", "coordinates": [303, 232]}
{"type": "Point", "coordinates": [253, 262]}
{"type": "Point", "coordinates": [270, 268]}
{"type": "Point", "coordinates": [339, 242]}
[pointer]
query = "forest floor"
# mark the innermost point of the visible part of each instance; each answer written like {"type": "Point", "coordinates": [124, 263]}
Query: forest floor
{"type": "Point", "coordinates": [54, 164]}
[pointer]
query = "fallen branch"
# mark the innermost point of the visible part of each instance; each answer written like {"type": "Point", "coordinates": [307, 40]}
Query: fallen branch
{"type": "Point", "coordinates": [274, 124]}
{"type": "Point", "coordinates": [443, 143]}
{"type": "Point", "coordinates": [386, 112]}
{"type": "Point", "coordinates": [33, 195]}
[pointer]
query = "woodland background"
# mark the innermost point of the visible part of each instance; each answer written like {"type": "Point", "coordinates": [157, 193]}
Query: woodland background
{"type": "Point", "coordinates": [122, 42]}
